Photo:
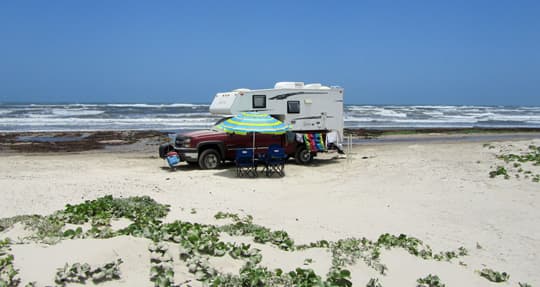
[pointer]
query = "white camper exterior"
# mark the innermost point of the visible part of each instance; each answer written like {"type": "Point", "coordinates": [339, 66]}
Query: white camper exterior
{"type": "Point", "coordinates": [310, 107]}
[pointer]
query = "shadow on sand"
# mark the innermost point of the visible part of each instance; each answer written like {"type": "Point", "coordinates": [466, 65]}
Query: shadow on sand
{"type": "Point", "coordinates": [228, 169]}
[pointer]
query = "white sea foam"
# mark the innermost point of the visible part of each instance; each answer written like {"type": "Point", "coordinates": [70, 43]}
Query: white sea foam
{"type": "Point", "coordinates": [433, 113]}
{"type": "Point", "coordinates": [76, 112]}
{"type": "Point", "coordinates": [523, 118]}
{"type": "Point", "coordinates": [389, 113]}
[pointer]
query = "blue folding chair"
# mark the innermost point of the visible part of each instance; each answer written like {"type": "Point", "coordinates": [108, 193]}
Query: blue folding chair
{"type": "Point", "coordinates": [274, 161]}
{"type": "Point", "coordinates": [245, 165]}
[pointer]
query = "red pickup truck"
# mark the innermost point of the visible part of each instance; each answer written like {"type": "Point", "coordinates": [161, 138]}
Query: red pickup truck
{"type": "Point", "coordinates": [210, 148]}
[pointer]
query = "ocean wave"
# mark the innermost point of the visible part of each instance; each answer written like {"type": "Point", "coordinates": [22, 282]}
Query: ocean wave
{"type": "Point", "coordinates": [73, 120]}
{"type": "Point", "coordinates": [175, 105]}
{"type": "Point", "coordinates": [411, 121]}
{"type": "Point", "coordinates": [66, 124]}
{"type": "Point", "coordinates": [76, 116]}
{"type": "Point", "coordinates": [58, 113]}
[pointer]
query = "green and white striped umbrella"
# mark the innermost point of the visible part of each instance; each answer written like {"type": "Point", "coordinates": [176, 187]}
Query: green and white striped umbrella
{"type": "Point", "coordinates": [250, 122]}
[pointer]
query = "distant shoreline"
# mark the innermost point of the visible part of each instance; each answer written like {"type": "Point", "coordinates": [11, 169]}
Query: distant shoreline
{"type": "Point", "coordinates": [370, 133]}
{"type": "Point", "coordinates": [148, 140]}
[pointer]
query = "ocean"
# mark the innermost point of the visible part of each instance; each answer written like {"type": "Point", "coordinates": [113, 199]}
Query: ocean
{"type": "Point", "coordinates": [186, 116]}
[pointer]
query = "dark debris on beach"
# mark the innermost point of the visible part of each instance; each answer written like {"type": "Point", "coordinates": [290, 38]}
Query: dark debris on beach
{"type": "Point", "coordinates": [78, 141]}
{"type": "Point", "coordinates": [34, 142]}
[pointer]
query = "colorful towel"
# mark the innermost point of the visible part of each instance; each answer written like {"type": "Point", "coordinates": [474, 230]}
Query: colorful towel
{"type": "Point", "coordinates": [314, 142]}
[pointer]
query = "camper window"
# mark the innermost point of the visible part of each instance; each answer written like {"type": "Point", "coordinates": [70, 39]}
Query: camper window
{"type": "Point", "coordinates": [259, 101]}
{"type": "Point", "coordinates": [293, 107]}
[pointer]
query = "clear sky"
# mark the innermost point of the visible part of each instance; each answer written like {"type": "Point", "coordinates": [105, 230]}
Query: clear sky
{"type": "Point", "coordinates": [381, 52]}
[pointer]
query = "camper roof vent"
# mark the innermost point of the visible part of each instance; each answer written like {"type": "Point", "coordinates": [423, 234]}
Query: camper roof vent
{"type": "Point", "coordinates": [316, 86]}
{"type": "Point", "coordinates": [289, 85]}
{"type": "Point", "coordinates": [313, 86]}
{"type": "Point", "coordinates": [241, 90]}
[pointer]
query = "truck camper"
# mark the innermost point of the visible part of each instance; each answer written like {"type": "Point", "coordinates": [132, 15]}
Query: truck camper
{"type": "Point", "coordinates": [311, 107]}
{"type": "Point", "coordinates": [314, 111]}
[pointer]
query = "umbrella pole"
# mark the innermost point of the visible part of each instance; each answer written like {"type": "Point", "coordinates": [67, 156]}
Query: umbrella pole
{"type": "Point", "coordinates": [253, 154]}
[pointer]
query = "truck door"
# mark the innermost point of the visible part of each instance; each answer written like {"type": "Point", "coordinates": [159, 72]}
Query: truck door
{"type": "Point", "coordinates": [264, 141]}
{"type": "Point", "coordinates": [235, 142]}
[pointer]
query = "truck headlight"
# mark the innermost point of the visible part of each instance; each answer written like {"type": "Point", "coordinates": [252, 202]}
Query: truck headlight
{"type": "Point", "coordinates": [187, 142]}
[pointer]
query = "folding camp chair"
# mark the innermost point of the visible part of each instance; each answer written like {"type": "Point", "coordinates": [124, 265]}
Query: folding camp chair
{"type": "Point", "coordinates": [275, 161]}
{"type": "Point", "coordinates": [245, 165]}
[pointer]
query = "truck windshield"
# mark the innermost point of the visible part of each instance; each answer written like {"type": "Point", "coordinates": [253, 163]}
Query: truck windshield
{"type": "Point", "coordinates": [219, 122]}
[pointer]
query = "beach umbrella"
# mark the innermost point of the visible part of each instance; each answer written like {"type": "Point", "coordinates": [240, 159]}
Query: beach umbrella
{"type": "Point", "coordinates": [250, 122]}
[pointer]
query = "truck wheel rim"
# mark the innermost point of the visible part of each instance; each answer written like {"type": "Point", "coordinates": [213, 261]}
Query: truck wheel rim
{"type": "Point", "coordinates": [211, 161]}
{"type": "Point", "coordinates": [305, 155]}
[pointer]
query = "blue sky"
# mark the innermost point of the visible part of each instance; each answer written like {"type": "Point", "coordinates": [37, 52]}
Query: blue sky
{"type": "Point", "coordinates": [381, 52]}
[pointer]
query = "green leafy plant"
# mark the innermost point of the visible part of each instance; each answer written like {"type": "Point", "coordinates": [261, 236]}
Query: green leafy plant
{"type": "Point", "coordinates": [6, 223]}
{"type": "Point", "coordinates": [251, 275]}
{"type": "Point", "coordinates": [532, 156]}
{"type": "Point", "coordinates": [349, 251]}
{"type": "Point", "coordinates": [143, 211]}
{"type": "Point", "coordinates": [242, 250]}
{"type": "Point", "coordinates": [316, 244]}
{"type": "Point", "coordinates": [161, 271]}
{"type": "Point", "coordinates": [80, 273]}
{"type": "Point", "coordinates": [107, 272]}
{"type": "Point", "coordinates": [305, 278]}
{"type": "Point", "coordinates": [430, 281]}
{"type": "Point", "coordinates": [339, 277]}
{"type": "Point", "coordinates": [494, 276]}
{"type": "Point", "coordinates": [260, 234]}
{"type": "Point", "coordinates": [416, 247]}
{"type": "Point", "coordinates": [100, 211]}
{"type": "Point", "coordinates": [235, 217]}
{"type": "Point", "coordinates": [199, 241]}
{"type": "Point", "coordinates": [500, 170]}
{"type": "Point", "coordinates": [374, 282]}
{"type": "Point", "coordinates": [308, 261]}
{"type": "Point", "coordinates": [8, 274]}
{"type": "Point", "coordinates": [200, 266]}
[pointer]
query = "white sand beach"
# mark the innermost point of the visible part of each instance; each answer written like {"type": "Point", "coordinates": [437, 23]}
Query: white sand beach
{"type": "Point", "coordinates": [438, 192]}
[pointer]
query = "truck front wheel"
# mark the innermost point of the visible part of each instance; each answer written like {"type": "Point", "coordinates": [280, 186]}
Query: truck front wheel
{"type": "Point", "coordinates": [303, 155]}
{"type": "Point", "coordinates": [209, 159]}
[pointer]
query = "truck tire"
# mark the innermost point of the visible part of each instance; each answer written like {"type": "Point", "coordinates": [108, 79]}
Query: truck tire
{"type": "Point", "coordinates": [209, 159]}
{"type": "Point", "coordinates": [303, 155]}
